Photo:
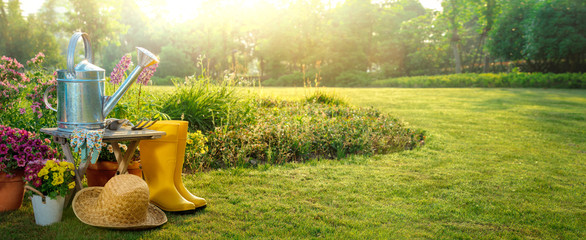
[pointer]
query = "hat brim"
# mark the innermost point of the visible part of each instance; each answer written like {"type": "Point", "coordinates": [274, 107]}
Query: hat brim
{"type": "Point", "coordinates": [84, 206]}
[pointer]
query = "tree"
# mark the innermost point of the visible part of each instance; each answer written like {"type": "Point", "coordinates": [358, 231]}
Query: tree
{"type": "Point", "coordinates": [548, 35]}
{"type": "Point", "coordinates": [174, 62]}
{"type": "Point", "coordinates": [398, 34]}
{"type": "Point", "coordinates": [99, 19]}
{"type": "Point", "coordinates": [556, 40]}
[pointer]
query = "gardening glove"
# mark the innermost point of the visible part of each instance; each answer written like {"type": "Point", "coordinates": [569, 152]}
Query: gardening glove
{"type": "Point", "coordinates": [87, 143]}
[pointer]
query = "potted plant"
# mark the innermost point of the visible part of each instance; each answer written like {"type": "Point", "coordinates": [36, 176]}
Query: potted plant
{"type": "Point", "coordinates": [105, 168]}
{"type": "Point", "coordinates": [18, 148]}
{"type": "Point", "coordinates": [49, 181]}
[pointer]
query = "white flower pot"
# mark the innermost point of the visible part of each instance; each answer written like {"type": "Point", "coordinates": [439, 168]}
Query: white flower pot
{"type": "Point", "coordinates": [49, 212]}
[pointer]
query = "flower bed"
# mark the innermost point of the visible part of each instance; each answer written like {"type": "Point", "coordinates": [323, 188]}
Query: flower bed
{"type": "Point", "coordinates": [297, 131]}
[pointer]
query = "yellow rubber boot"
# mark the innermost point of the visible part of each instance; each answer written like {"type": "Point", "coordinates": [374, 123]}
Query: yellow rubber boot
{"type": "Point", "coordinates": [182, 138]}
{"type": "Point", "coordinates": [158, 158]}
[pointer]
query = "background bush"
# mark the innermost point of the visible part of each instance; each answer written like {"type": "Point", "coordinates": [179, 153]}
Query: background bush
{"type": "Point", "coordinates": [490, 80]}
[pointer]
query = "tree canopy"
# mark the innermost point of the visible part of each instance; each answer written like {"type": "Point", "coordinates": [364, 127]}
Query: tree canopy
{"type": "Point", "coordinates": [289, 42]}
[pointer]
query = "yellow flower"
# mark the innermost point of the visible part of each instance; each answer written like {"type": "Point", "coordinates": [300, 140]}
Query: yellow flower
{"type": "Point", "coordinates": [189, 141]}
{"type": "Point", "coordinates": [56, 181]}
{"type": "Point", "coordinates": [46, 177]}
{"type": "Point", "coordinates": [71, 185]}
{"type": "Point", "coordinates": [72, 173]}
{"type": "Point", "coordinates": [63, 164]}
{"type": "Point", "coordinates": [50, 163]}
{"type": "Point", "coordinates": [43, 172]}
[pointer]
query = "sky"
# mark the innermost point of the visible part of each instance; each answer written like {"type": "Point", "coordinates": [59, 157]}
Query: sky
{"type": "Point", "coordinates": [181, 11]}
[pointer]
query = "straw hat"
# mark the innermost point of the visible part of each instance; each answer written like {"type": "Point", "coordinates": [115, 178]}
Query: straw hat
{"type": "Point", "coordinates": [123, 203]}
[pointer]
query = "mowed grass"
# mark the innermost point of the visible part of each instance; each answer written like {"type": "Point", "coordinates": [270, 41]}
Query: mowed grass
{"type": "Point", "coordinates": [498, 163]}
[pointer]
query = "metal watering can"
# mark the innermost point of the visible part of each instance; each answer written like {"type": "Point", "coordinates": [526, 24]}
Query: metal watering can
{"type": "Point", "coordinates": [81, 102]}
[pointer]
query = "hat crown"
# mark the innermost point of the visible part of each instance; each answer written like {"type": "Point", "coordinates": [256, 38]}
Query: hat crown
{"type": "Point", "coordinates": [124, 199]}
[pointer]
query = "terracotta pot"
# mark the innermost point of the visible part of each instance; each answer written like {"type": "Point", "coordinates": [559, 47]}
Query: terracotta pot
{"type": "Point", "coordinates": [100, 173]}
{"type": "Point", "coordinates": [11, 191]}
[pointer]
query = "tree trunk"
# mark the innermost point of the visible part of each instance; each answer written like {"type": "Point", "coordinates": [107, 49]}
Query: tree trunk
{"type": "Point", "coordinates": [457, 59]}
{"type": "Point", "coordinates": [486, 65]}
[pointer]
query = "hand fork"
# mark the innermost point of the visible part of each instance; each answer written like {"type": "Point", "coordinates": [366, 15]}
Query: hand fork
{"type": "Point", "coordinates": [143, 124]}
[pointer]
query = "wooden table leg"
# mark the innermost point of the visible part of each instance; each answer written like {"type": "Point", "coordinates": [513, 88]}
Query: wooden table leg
{"type": "Point", "coordinates": [124, 161]}
{"type": "Point", "coordinates": [69, 157]}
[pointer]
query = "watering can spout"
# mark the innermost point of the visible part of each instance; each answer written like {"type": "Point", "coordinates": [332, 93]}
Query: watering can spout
{"type": "Point", "coordinates": [145, 59]}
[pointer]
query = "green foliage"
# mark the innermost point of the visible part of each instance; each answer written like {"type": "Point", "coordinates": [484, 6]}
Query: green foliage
{"type": "Point", "coordinates": [206, 105]}
{"type": "Point", "coordinates": [138, 103]}
{"type": "Point", "coordinates": [276, 42]}
{"type": "Point", "coordinates": [548, 35]}
{"type": "Point", "coordinates": [99, 19]}
{"type": "Point", "coordinates": [174, 62]}
{"type": "Point", "coordinates": [291, 131]}
{"type": "Point", "coordinates": [352, 79]}
{"type": "Point", "coordinates": [326, 98]}
{"type": "Point", "coordinates": [22, 38]}
{"type": "Point", "coordinates": [21, 101]}
{"type": "Point", "coordinates": [291, 80]}
{"type": "Point", "coordinates": [500, 80]}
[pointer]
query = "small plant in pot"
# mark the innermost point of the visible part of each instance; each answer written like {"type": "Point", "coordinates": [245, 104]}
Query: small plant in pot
{"type": "Point", "coordinates": [18, 148]}
{"type": "Point", "coordinates": [105, 168]}
{"type": "Point", "coordinates": [49, 181]}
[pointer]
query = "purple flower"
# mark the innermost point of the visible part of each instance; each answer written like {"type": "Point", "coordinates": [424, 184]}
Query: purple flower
{"type": "Point", "coordinates": [38, 156]}
{"type": "Point", "coordinates": [146, 74]}
{"type": "Point", "coordinates": [37, 143]}
{"type": "Point", "coordinates": [37, 182]}
{"type": "Point", "coordinates": [21, 162]}
{"type": "Point", "coordinates": [22, 110]}
{"type": "Point", "coordinates": [23, 132]}
{"type": "Point", "coordinates": [3, 149]}
{"type": "Point", "coordinates": [29, 158]}
{"type": "Point", "coordinates": [118, 73]}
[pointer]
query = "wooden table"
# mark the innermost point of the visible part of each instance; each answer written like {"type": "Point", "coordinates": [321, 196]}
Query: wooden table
{"type": "Point", "coordinates": [110, 136]}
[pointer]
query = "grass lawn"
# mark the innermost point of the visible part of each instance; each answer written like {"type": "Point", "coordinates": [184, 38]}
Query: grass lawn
{"type": "Point", "coordinates": [498, 163]}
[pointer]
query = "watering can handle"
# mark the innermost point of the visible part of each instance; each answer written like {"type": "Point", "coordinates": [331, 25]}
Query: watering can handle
{"type": "Point", "coordinates": [45, 98]}
{"type": "Point", "coordinates": [71, 51]}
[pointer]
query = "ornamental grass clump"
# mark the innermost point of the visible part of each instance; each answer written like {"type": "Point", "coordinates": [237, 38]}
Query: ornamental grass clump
{"type": "Point", "coordinates": [206, 105]}
{"type": "Point", "coordinates": [19, 147]}
{"type": "Point", "coordinates": [51, 177]}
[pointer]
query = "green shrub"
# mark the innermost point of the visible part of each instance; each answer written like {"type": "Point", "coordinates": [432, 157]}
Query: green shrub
{"type": "Point", "coordinates": [352, 79]}
{"type": "Point", "coordinates": [490, 80]}
{"type": "Point", "coordinates": [297, 131]}
{"type": "Point", "coordinates": [290, 80]}
{"type": "Point", "coordinates": [21, 94]}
